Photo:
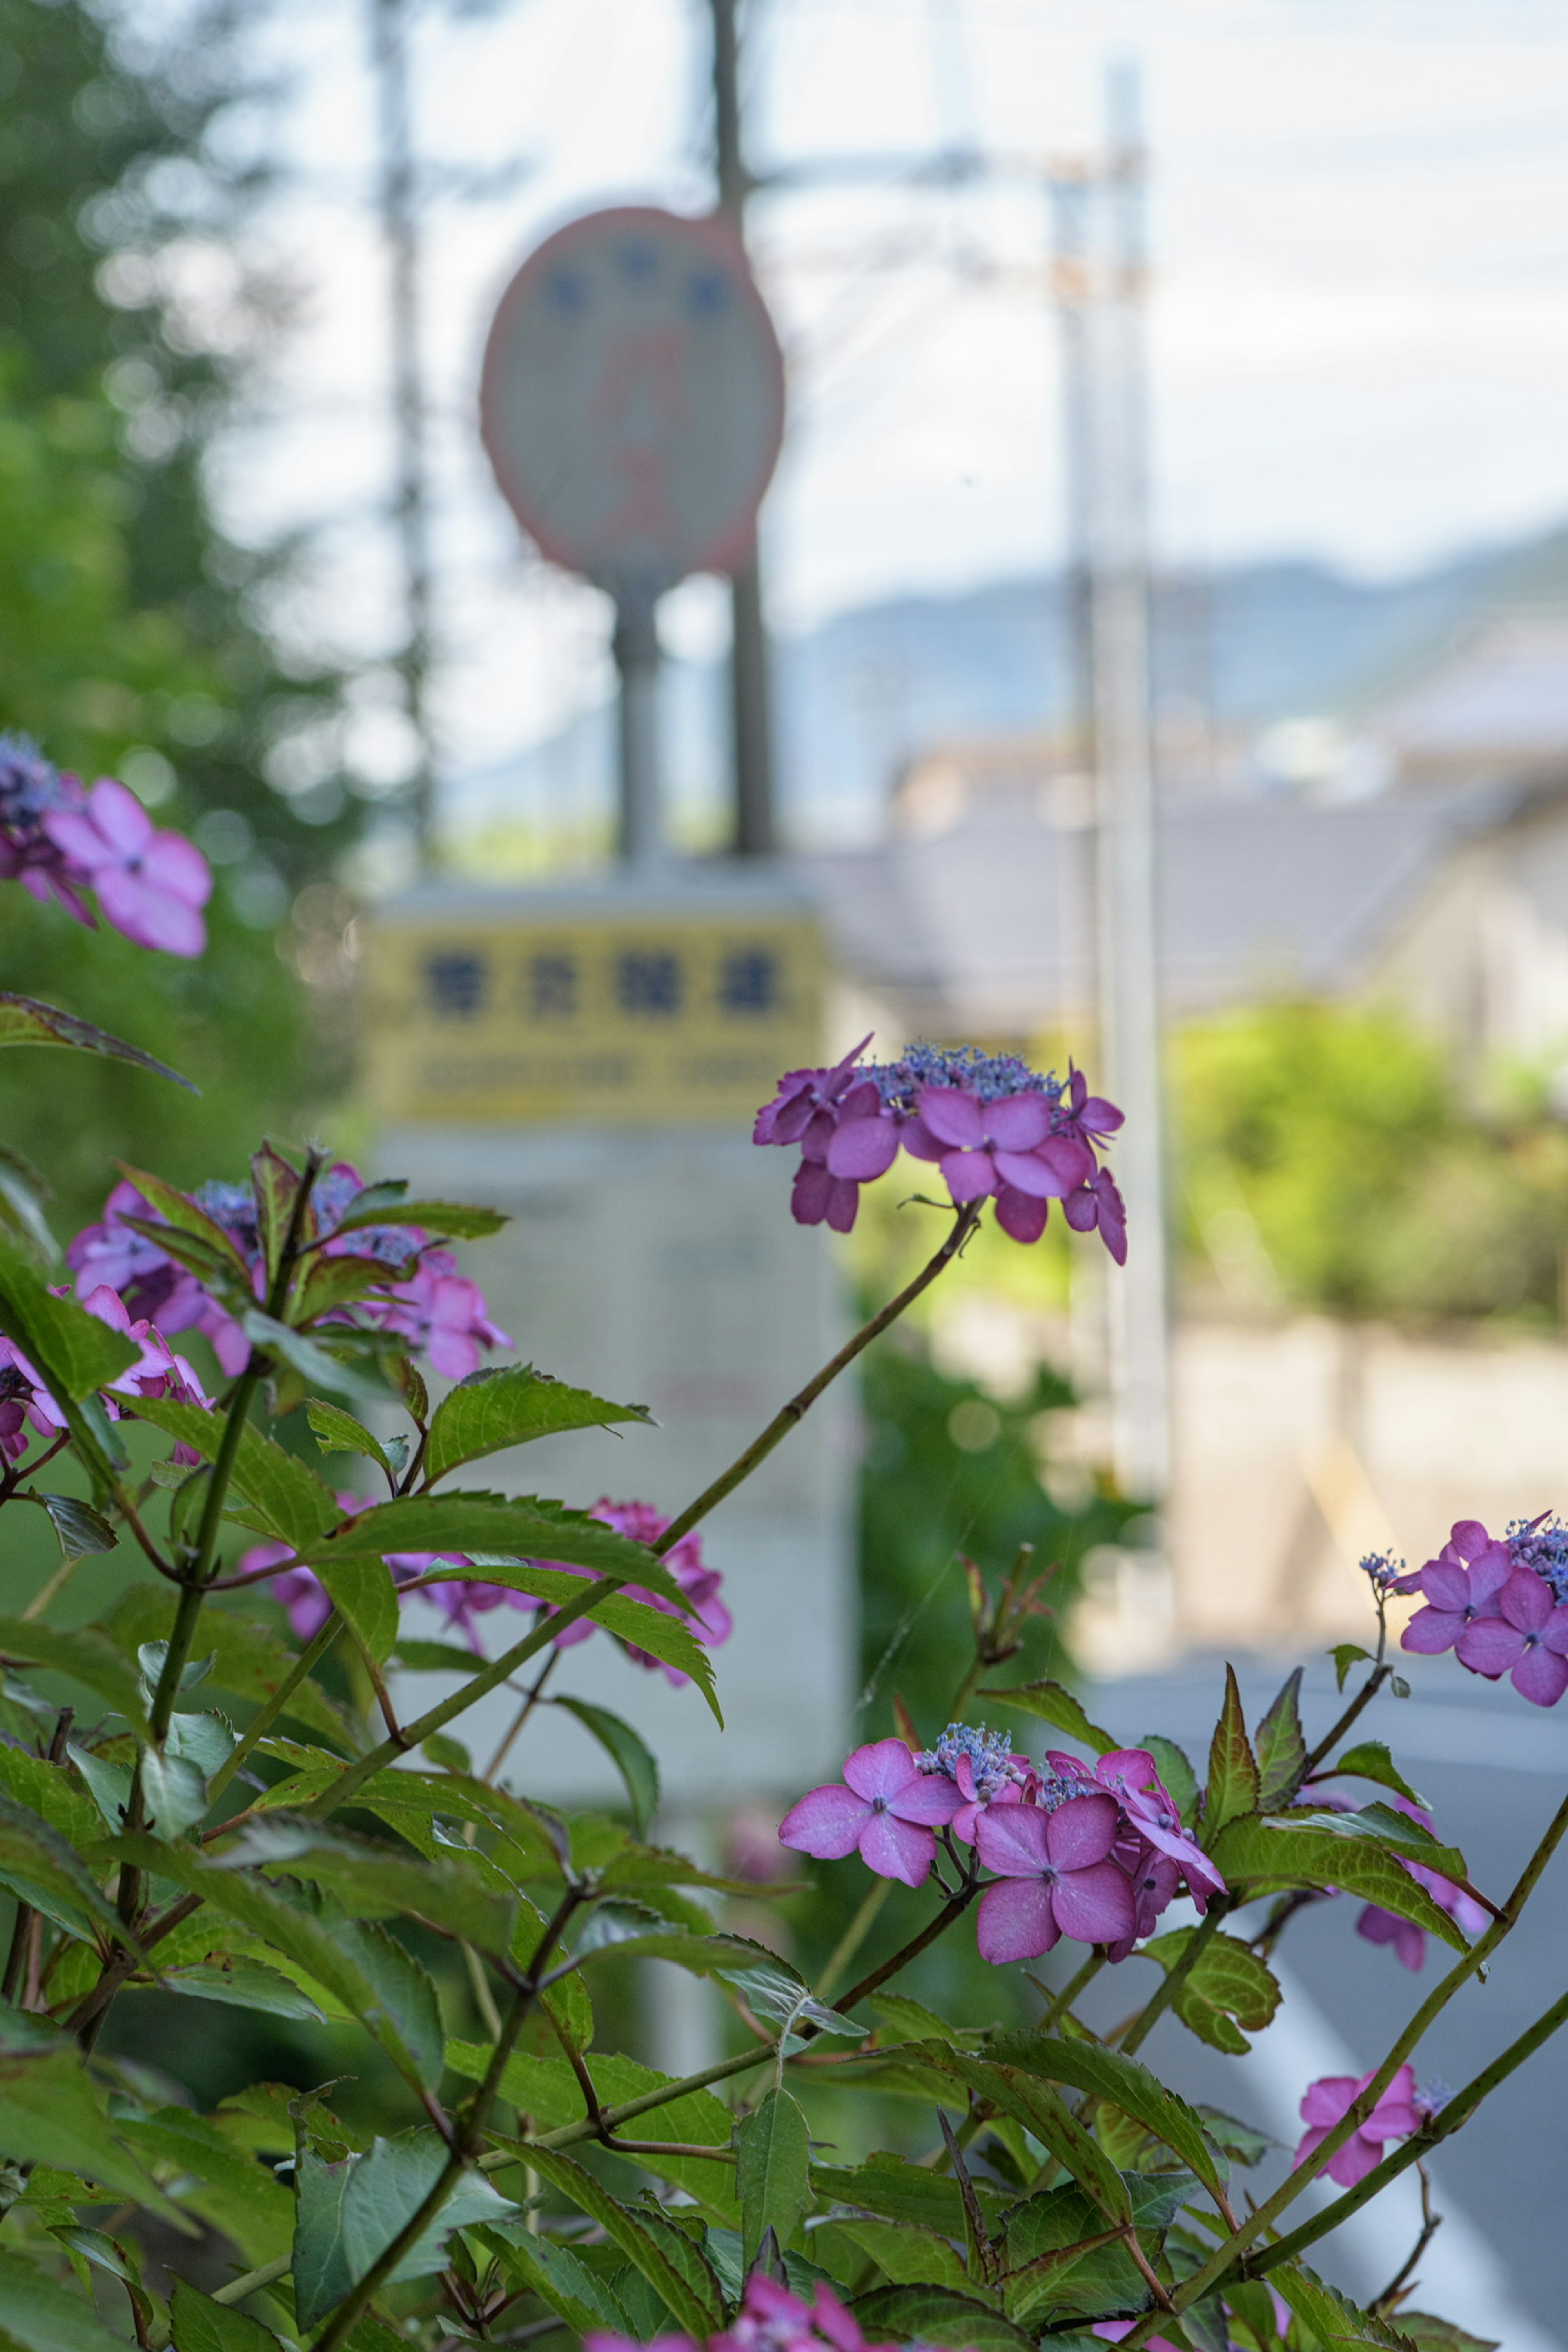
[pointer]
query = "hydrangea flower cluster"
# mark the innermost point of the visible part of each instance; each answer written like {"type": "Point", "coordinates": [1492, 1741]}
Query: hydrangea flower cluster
{"type": "Point", "coordinates": [462, 1600]}
{"type": "Point", "coordinates": [1401, 2109]}
{"type": "Point", "coordinates": [59, 840]}
{"type": "Point", "coordinates": [997, 1130]}
{"type": "Point", "coordinates": [771, 2319]}
{"type": "Point", "coordinates": [1093, 1853]}
{"type": "Point", "coordinates": [1497, 1603]}
{"type": "Point", "coordinates": [438, 1311]}
{"type": "Point", "coordinates": [26, 1405]}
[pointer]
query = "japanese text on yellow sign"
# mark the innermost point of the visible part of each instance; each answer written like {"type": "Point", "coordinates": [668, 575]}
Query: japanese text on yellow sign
{"type": "Point", "coordinates": [641, 1020]}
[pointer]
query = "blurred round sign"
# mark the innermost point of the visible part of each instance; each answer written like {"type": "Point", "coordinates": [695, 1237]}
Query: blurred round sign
{"type": "Point", "coordinates": [633, 398]}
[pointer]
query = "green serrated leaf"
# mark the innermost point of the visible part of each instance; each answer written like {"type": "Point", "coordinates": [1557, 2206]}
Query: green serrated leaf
{"type": "Point", "coordinates": [363, 1592]}
{"type": "Point", "coordinates": [1041, 2111]}
{"type": "Point", "coordinates": [907, 2254]}
{"type": "Point", "coordinates": [1430, 2334]}
{"type": "Point", "coordinates": [373, 1881]}
{"type": "Point", "coordinates": [200, 2325]}
{"type": "Point", "coordinates": [75, 1353]}
{"type": "Point", "coordinates": [1326, 1850]}
{"type": "Point", "coordinates": [1280, 1745]}
{"type": "Point", "coordinates": [38, 1864]}
{"type": "Point", "coordinates": [1370, 1761]}
{"type": "Point", "coordinates": [249, 1660]}
{"type": "Point", "coordinates": [563, 2283]}
{"type": "Point", "coordinates": [511, 1405]}
{"type": "Point", "coordinates": [50, 2115]}
{"type": "Point", "coordinates": [243, 1984]}
{"type": "Point", "coordinates": [630, 1755]}
{"type": "Point", "coordinates": [1345, 1655]}
{"type": "Point", "coordinates": [296, 1506]}
{"type": "Point", "coordinates": [337, 1432]}
{"type": "Point", "coordinates": [1331, 2318]}
{"type": "Point", "coordinates": [1228, 1988]}
{"type": "Point", "coordinates": [772, 2172]}
{"type": "Point", "coordinates": [698, 2312]}
{"type": "Point", "coordinates": [455, 1221]}
{"type": "Point", "coordinates": [1053, 1705]}
{"type": "Point", "coordinates": [81, 1530]}
{"type": "Point", "coordinates": [39, 2316]}
{"type": "Point", "coordinates": [1103, 2074]}
{"type": "Point", "coordinates": [310, 1359]}
{"type": "Point", "coordinates": [350, 2212]}
{"type": "Point", "coordinates": [1233, 1769]}
{"type": "Point", "coordinates": [25, 1021]}
{"type": "Point", "coordinates": [1244, 2143]}
{"type": "Point", "coordinates": [936, 2314]}
{"type": "Point", "coordinates": [548, 2090]}
{"type": "Point", "coordinates": [911, 2017]}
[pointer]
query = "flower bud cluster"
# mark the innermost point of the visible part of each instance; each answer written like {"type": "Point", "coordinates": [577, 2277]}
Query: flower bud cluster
{"type": "Point", "coordinates": [1499, 1604]}
{"type": "Point", "coordinates": [1091, 1853]}
{"type": "Point", "coordinates": [997, 1130]}
{"type": "Point", "coordinates": [60, 840]}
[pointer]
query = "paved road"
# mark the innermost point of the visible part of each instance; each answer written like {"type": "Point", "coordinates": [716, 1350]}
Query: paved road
{"type": "Point", "coordinates": [1493, 1768]}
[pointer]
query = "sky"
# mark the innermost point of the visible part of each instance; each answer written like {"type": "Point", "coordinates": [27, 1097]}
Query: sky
{"type": "Point", "coordinates": [1358, 331]}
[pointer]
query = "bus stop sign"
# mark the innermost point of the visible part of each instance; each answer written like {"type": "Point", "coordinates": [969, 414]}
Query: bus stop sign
{"type": "Point", "coordinates": [632, 401]}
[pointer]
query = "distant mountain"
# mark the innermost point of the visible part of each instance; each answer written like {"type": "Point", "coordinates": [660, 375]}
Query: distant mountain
{"type": "Point", "coordinates": [858, 698]}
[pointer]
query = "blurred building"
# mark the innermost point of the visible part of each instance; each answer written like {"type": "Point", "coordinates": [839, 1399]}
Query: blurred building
{"type": "Point", "coordinates": [973, 917]}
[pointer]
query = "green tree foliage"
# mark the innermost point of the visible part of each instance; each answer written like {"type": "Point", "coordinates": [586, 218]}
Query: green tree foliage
{"type": "Point", "coordinates": [1329, 1160]}
{"type": "Point", "coordinates": [131, 636]}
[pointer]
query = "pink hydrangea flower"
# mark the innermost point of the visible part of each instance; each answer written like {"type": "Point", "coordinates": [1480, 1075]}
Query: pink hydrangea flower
{"type": "Point", "coordinates": [1130, 1774]}
{"type": "Point", "coordinates": [1527, 1640]}
{"type": "Point", "coordinates": [1005, 1148]}
{"type": "Point", "coordinates": [1057, 1878]}
{"type": "Point", "coordinates": [441, 1311]}
{"type": "Point", "coordinates": [150, 885]}
{"type": "Point", "coordinates": [1098, 1203]}
{"type": "Point", "coordinates": [887, 1810]}
{"type": "Point", "coordinates": [1463, 1582]}
{"type": "Point", "coordinates": [1328, 2100]}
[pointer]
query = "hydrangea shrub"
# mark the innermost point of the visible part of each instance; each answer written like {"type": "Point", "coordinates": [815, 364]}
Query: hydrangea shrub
{"type": "Point", "coordinates": [204, 1813]}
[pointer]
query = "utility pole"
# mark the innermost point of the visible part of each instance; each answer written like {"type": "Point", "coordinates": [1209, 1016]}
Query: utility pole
{"type": "Point", "coordinates": [399, 206]}
{"type": "Point", "coordinates": [1100, 281]}
{"type": "Point", "coordinates": [755, 832]}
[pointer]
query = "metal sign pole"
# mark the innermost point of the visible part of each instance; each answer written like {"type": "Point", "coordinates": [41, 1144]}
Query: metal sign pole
{"type": "Point", "coordinates": [636, 652]}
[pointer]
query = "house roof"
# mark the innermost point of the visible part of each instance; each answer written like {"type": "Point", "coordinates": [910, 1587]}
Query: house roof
{"type": "Point", "coordinates": [988, 925]}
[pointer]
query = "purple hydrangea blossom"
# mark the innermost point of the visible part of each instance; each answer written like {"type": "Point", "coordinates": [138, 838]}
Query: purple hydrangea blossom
{"type": "Point", "coordinates": [771, 2319]}
{"type": "Point", "coordinates": [1527, 1640]}
{"type": "Point", "coordinates": [1327, 2101]}
{"type": "Point", "coordinates": [886, 1809]}
{"type": "Point", "coordinates": [1055, 1877]}
{"type": "Point", "coordinates": [1462, 1584]}
{"type": "Point", "coordinates": [1541, 1544]}
{"type": "Point", "coordinates": [1132, 1775]}
{"type": "Point", "coordinates": [997, 1129]}
{"type": "Point", "coordinates": [425, 1301]}
{"type": "Point", "coordinates": [150, 885]}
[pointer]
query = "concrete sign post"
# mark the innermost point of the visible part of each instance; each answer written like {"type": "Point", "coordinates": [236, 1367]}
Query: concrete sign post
{"type": "Point", "coordinates": [632, 405]}
{"type": "Point", "coordinates": [590, 1061]}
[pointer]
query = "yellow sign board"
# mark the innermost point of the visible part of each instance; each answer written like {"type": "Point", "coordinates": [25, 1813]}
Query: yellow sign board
{"type": "Point", "coordinates": [599, 1013]}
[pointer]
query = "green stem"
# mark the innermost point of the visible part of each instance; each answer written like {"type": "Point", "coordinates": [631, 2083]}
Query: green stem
{"type": "Point", "coordinates": [1161, 1998]}
{"type": "Point", "coordinates": [790, 1415]}
{"type": "Point", "coordinates": [464, 2147]}
{"type": "Point", "coordinates": [1224, 2257]}
{"type": "Point", "coordinates": [1457, 2113]}
{"type": "Point", "coordinates": [501, 1670]}
{"type": "Point", "coordinates": [268, 1712]}
{"type": "Point", "coordinates": [238, 2289]}
{"type": "Point", "coordinates": [852, 1938]}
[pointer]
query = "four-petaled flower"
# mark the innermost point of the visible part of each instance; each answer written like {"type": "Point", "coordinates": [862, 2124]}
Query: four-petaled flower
{"type": "Point", "coordinates": [1005, 1148]}
{"type": "Point", "coordinates": [1462, 1584]}
{"type": "Point", "coordinates": [1057, 1878]}
{"type": "Point", "coordinates": [1328, 2100]}
{"type": "Point", "coordinates": [1527, 1640]}
{"type": "Point", "coordinates": [152, 886]}
{"type": "Point", "coordinates": [1131, 1774]}
{"type": "Point", "coordinates": [439, 1309]}
{"type": "Point", "coordinates": [890, 1811]}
